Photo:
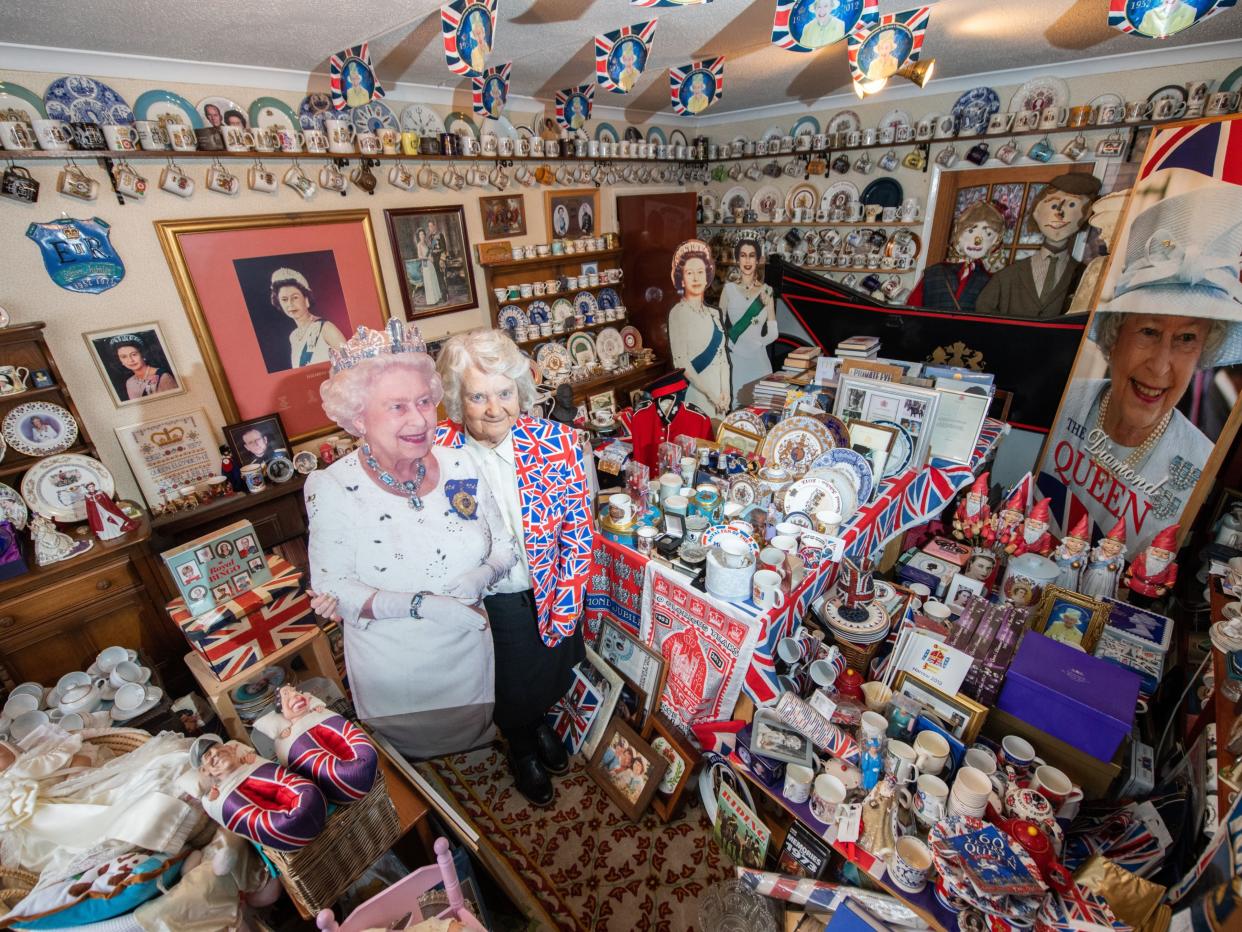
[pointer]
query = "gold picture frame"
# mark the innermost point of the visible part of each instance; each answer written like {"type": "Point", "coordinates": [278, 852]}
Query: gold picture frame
{"type": "Point", "coordinates": [730, 435]}
{"type": "Point", "coordinates": [962, 716]}
{"type": "Point", "coordinates": [1059, 605]}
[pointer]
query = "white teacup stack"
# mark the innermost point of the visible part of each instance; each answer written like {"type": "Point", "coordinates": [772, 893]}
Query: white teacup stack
{"type": "Point", "coordinates": [970, 793]}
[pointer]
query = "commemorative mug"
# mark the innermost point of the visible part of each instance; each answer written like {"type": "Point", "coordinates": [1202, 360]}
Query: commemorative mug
{"type": "Point", "coordinates": [340, 134]}
{"type": "Point", "coordinates": [1026, 121]}
{"type": "Point", "coordinates": [930, 798]}
{"type": "Point", "coordinates": [863, 164]}
{"type": "Point", "coordinates": [290, 140]}
{"type": "Point", "coordinates": [222, 181]}
{"type": "Point", "coordinates": [1137, 110]}
{"type": "Point", "coordinates": [1219, 103]}
{"type": "Point", "coordinates": [946, 126]}
{"type": "Point", "coordinates": [885, 135]}
{"type": "Point", "coordinates": [151, 135]}
{"type": "Point", "coordinates": [947, 157]}
{"type": "Point", "coordinates": [18, 184]}
{"type": "Point", "coordinates": [1053, 117]}
{"type": "Point", "coordinates": [915, 159]}
{"type": "Point", "coordinates": [13, 379]}
{"type": "Point", "coordinates": [1000, 122]}
{"type": "Point", "coordinates": [1168, 109]}
{"type": "Point", "coordinates": [261, 179]}
{"type": "Point", "coordinates": [908, 863]}
{"type": "Point", "coordinates": [1042, 151]}
{"type": "Point", "coordinates": [1110, 147]}
{"type": "Point", "coordinates": [297, 179]}
{"type": "Point", "coordinates": [889, 161]}
{"type": "Point", "coordinates": [237, 139]}
{"type": "Point", "coordinates": [1110, 113]}
{"type": "Point", "coordinates": [1055, 786]}
{"type": "Point", "coordinates": [85, 136]}
{"type": "Point", "coordinates": [120, 138]}
{"type": "Point", "coordinates": [52, 134]}
{"type": "Point", "coordinates": [1080, 116]}
{"type": "Point", "coordinates": [924, 130]}
{"type": "Point", "coordinates": [931, 752]}
{"type": "Point", "coordinates": [316, 141]}
{"type": "Point", "coordinates": [504, 147]}
{"type": "Point", "coordinates": [74, 182]}
{"type": "Point", "coordinates": [978, 153]}
{"type": "Point", "coordinates": [1018, 753]}
{"type": "Point", "coordinates": [401, 177]}
{"type": "Point", "coordinates": [331, 179]}
{"type": "Point", "coordinates": [390, 141]}
{"type": "Point", "coordinates": [827, 795]}
{"type": "Point", "coordinates": [175, 181]}
{"type": "Point", "coordinates": [128, 181]}
{"type": "Point", "coordinates": [869, 136]}
{"type": "Point", "coordinates": [265, 139]}
{"type": "Point", "coordinates": [427, 178]}
{"type": "Point", "coordinates": [910, 210]}
{"type": "Point", "coordinates": [1009, 152]}
{"type": "Point", "coordinates": [409, 143]}
{"type": "Point", "coordinates": [1196, 93]}
{"type": "Point", "coordinates": [17, 134]}
{"type": "Point", "coordinates": [368, 144]}
{"type": "Point", "coordinates": [363, 178]}
{"type": "Point", "coordinates": [1074, 149]}
{"type": "Point", "coordinates": [181, 138]}
{"type": "Point", "coordinates": [798, 778]}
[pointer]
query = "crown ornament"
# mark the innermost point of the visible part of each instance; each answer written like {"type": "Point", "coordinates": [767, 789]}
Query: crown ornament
{"type": "Point", "coordinates": [396, 337]}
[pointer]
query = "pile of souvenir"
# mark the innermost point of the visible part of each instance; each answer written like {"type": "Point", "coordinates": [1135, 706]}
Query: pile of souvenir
{"type": "Point", "coordinates": [257, 697]}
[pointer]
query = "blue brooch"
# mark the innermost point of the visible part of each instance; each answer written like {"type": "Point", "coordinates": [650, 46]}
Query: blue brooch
{"type": "Point", "coordinates": [462, 497]}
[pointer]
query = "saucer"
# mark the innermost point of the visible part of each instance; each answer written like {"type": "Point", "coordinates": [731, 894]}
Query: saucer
{"type": "Point", "coordinates": [153, 699]}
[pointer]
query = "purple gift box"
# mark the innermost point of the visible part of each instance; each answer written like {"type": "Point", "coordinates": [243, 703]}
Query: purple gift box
{"type": "Point", "coordinates": [1086, 702]}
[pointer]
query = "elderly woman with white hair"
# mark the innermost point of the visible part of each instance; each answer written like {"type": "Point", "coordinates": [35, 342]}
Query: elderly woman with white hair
{"type": "Point", "coordinates": [537, 472]}
{"type": "Point", "coordinates": [404, 541]}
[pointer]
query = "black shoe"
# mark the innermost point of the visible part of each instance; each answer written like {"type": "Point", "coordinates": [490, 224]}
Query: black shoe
{"type": "Point", "coordinates": [532, 781]}
{"type": "Point", "coordinates": [551, 751]}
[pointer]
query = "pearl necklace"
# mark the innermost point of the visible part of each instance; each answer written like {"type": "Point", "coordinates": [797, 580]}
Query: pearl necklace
{"type": "Point", "coordinates": [1139, 453]}
{"type": "Point", "coordinates": [408, 487]}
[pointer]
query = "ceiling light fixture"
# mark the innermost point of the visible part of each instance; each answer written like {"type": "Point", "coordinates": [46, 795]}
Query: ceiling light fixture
{"type": "Point", "coordinates": [918, 72]}
{"type": "Point", "coordinates": [863, 88]}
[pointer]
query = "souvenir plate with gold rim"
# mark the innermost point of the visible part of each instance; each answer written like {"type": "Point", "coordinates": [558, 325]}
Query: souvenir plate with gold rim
{"type": "Point", "coordinates": [747, 420]}
{"type": "Point", "coordinates": [13, 508]}
{"type": "Point", "coordinates": [811, 494]}
{"type": "Point", "coordinates": [56, 487]}
{"type": "Point", "coordinates": [609, 346]}
{"type": "Point", "coordinates": [803, 195]}
{"type": "Point", "coordinates": [632, 338]}
{"type": "Point", "coordinates": [743, 490]}
{"type": "Point", "coordinates": [795, 442]}
{"type": "Point", "coordinates": [581, 349]}
{"type": "Point", "coordinates": [553, 359]}
{"type": "Point", "coordinates": [57, 430]}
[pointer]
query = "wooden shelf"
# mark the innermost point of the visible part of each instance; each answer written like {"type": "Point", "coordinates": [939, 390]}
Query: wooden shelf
{"type": "Point", "coordinates": [567, 294]}
{"type": "Point", "coordinates": [565, 335]}
{"type": "Point", "coordinates": [815, 225]}
{"type": "Point", "coordinates": [545, 261]}
{"type": "Point", "coordinates": [15, 468]}
{"type": "Point", "coordinates": [58, 155]}
{"type": "Point", "coordinates": [174, 521]}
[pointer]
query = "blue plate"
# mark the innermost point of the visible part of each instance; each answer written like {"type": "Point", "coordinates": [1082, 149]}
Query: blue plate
{"type": "Point", "coordinates": [510, 316]}
{"type": "Point", "coordinates": [855, 462]}
{"type": "Point", "coordinates": [315, 108]}
{"type": "Point", "coordinates": [151, 105]}
{"type": "Point", "coordinates": [604, 132]}
{"type": "Point", "coordinates": [902, 452]}
{"type": "Point", "coordinates": [808, 125]}
{"type": "Point", "coordinates": [539, 312]}
{"type": "Point", "coordinates": [585, 303]}
{"type": "Point", "coordinates": [372, 117]}
{"type": "Point", "coordinates": [885, 192]}
{"type": "Point", "coordinates": [974, 108]}
{"type": "Point", "coordinates": [656, 135]}
{"type": "Point", "coordinates": [608, 299]}
{"type": "Point", "coordinates": [76, 98]}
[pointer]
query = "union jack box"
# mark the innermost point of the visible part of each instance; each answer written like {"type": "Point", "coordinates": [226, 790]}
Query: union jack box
{"type": "Point", "coordinates": [252, 625]}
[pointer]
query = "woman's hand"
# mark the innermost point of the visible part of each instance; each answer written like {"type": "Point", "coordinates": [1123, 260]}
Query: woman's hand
{"type": "Point", "coordinates": [469, 587]}
{"type": "Point", "coordinates": [324, 605]}
{"type": "Point", "coordinates": [444, 608]}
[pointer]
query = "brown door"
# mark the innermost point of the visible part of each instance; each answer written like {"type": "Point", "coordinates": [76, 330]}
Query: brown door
{"type": "Point", "coordinates": [652, 226]}
{"type": "Point", "coordinates": [1011, 190]}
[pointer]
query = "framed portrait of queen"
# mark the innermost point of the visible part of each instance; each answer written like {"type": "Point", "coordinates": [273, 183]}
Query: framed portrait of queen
{"type": "Point", "coordinates": [134, 363]}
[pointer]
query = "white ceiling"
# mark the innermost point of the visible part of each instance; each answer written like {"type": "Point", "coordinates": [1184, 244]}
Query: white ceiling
{"type": "Point", "coordinates": [550, 42]}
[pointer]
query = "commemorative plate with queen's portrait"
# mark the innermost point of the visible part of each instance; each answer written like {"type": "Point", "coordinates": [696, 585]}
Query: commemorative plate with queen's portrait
{"type": "Point", "coordinates": [56, 487]}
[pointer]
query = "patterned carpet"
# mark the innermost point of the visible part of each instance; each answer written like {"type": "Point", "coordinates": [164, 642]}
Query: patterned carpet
{"type": "Point", "coordinates": [583, 863]}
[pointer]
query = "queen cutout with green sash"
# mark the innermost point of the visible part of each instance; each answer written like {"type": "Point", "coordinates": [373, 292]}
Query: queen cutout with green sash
{"type": "Point", "coordinates": [750, 314]}
{"type": "Point", "coordinates": [696, 332]}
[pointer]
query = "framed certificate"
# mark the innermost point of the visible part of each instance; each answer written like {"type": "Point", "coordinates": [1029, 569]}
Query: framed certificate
{"type": "Point", "coordinates": [959, 418]}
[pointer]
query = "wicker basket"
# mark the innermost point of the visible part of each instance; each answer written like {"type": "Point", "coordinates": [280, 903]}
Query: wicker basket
{"type": "Point", "coordinates": [356, 835]}
{"type": "Point", "coordinates": [858, 656]}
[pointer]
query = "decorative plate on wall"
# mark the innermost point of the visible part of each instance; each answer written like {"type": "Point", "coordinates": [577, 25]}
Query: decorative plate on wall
{"type": "Point", "coordinates": [1040, 93]}
{"type": "Point", "coordinates": [268, 111]}
{"type": "Point", "coordinates": [609, 346]}
{"type": "Point", "coordinates": [903, 450]}
{"type": "Point", "coordinates": [39, 428]}
{"type": "Point", "coordinates": [76, 98]}
{"type": "Point", "coordinates": [372, 117]}
{"type": "Point", "coordinates": [581, 349]}
{"type": "Point", "coordinates": [315, 108]}
{"type": "Point", "coordinates": [56, 487]}
{"type": "Point", "coordinates": [224, 106]}
{"type": "Point", "coordinates": [15, 97]}
{"type": "Point", "coordinates": [459, 124]}
{"type": "Point", "coordinates": [608, 298]}
{"type": "Point", "coordinates": [13, 508]}
{"type": "Point", "coordinates": [164, 107]}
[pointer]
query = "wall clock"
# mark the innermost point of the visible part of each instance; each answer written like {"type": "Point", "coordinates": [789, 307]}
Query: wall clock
{"type": "Point", "coordinates": [421, 119]}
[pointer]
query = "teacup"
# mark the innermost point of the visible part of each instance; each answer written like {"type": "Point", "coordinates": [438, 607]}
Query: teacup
{"type": "Point", "coordinates": [80, 699]}
{"type": "Point", "coordinates": [53, 134]}
{"type": "Point", "coordinates": [909, 862]}
{"type": "Point", "coordinates": [932, 752]}
{"type": "Point", "coordinates": [1018, 753]}
{"type": "Point", "coordinates": [928, 801]}
{"type": "Point", "coordinates": [109, 657]}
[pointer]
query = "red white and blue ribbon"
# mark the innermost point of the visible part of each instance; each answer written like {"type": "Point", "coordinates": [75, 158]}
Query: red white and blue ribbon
{"type": "Point", "coordinates": [879, 45]}
{"type": "Point", "coordinates": [696, 86]}
{"type": "Point", "coordinates": [612, 72]}
{"type": "Point", "coordinates": [797, 26]}
{"type": "Point", "coordinates": [352, 79]}
{"type": "Point", "coordinates": [491, 91]}
{"type": "Point", "coordinates": [1142, 17]}
{"type": "Point", "coordinates": [573, 105]}
{"type": "Point", "coordinates": [469, 31]}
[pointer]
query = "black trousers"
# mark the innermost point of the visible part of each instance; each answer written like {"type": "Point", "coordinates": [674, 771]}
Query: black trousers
{"type": "Point", "coordinates": [530, 676]}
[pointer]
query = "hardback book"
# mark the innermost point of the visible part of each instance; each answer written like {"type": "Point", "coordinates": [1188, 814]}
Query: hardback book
{"type": "Point", "coordinates": [741, 834]}
{"type": "Point", "coordinates": [804, 853]}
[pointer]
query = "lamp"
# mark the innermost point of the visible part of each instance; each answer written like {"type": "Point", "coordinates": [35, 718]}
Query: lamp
{"type": "Point", "coordinates": [918, 72]}
{"type": "Point", "coordinates": [863, 88]}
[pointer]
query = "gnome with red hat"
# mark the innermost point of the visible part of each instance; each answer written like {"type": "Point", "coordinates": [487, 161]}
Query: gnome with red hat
{"type": "Point", "coordinates": [1035, 537]}
{"type": "Point", "coordinates": [1153, 571]}
{"type": "Point", "coordinates": [970, 518]}
{"type": "Point", "coordinates": [1005, 527]}
{"type": "Point", "coordinates": [1071, 555]}
{"type": "Point", "coordinates": [1106, 564]}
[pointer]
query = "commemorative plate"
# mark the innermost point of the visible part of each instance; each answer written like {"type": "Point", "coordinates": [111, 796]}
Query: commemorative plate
{"type": "Point", "coordinates": [714, 535]}
{"type": "Point", "coordinates": [736, 198]}
{"type": "Point", "coordinates": [76, 98]}
{"type": "Point", "coordinates": [656, 136]}
{"type": "Point", "coordinates": [807, 126]}
{"type": "Point", "coordinates": [582, 349]}
{"type": "Point", "coordinates": [373, 117]}
{"type": "Point", "coordinates": [219, 111]}
{"type": "Point", "coordinates": [902, 452]}
{"type": "Point", "coordinates": [895, 119]}
{"type": "Point", "coordinates": [161, 106]}
{"type": "Point", "coordinates": [511, 315]}
{"type": "Point", "coordinates": [974, 108]}
{"type": "Point", "coordinates": [855, 462]}
{"type": "Point", "coordinates": [56, 487]}
{"type": "Point", "coordinates": [314, 109]}
{"type": "Point", "coordinates": [268, 111]}
{"type": "Point", "coordinates": [844, 121]}
{"type": "Point", "coordinates": [585, 303]}
{"type": "Point", "coordinates": [747, 420]}
{"type": "Point", "coordinates": [604, 132]}
{"type": "Point", "coordinates": [836, 429]}
{"type": "Point", "coordinates": [803, 196]}
{"type": "Point", "coordinates": [17, 98]}
{"type": "Point", "coordinates": [562, 309]}
{"type": "Point", "coordinates": [839, 195]}
{"type": "Point", "coordinates": [795, 442]}
{"type": "Point", "coordinates": [553, 359]}
{"type": "Point", "coordinates": [1040, 93]}
{"type": "Point", "coordinates": [811, 494]}
{"type": "Point", "coordinates": [539, 312]}
{"type": "Point", "coordinates": [609, 346]}
{"type": "Point", "coordinates": [632, 338]}
{"type": "Point", "coordinates": [742, 490]}
{"type": "Point", "coordinates": [765, 202]}
{"type": "Point", "coordinates": [39, 428]}
{"type": "Point", "coordinates": [608, 298]}
{"type": "Point", "coordinates": [421, 119]}
{"type": "Point", "coordinates": [459, 124]}
{"type": "Point", "coordinates": [13, 507]}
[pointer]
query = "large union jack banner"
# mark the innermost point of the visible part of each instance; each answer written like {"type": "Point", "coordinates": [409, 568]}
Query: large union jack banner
{"type": "Point", "coordinates": [810, 25]}
{"type": "Point", "coordinates": [621, 56]}
{"type": "Point", "coordinates": [879, 45]}
{"type": "Point", "coordinates": [469, 31]}
{"type": "Point", "coordinates": [1153, 19]}
{"type": "Point", "coordinates": [573, 714]}
{"type": "Point", "coordinates": [491, 90]}
{"type": "Point", "coordinates": [668, 2]}
{"type": "Point", "coordinates": [696, 86]}
{"type": "Point", "coordinates": [573, 106]}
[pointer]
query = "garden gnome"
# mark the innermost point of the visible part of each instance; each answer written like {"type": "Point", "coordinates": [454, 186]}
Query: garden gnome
{"type": "Point", "coordinates": [1071, 555]}
{"type": "Point", "coordinates": [1106, 564]}
{"type": "Point", "coordinates": [1005, 526]}
{"type": "Point", "coordinates": [1035, 537]}
{"type": "Point", "coordinates": [1153, 571]}
{"type": "Point", "coordinates": [970, 518]}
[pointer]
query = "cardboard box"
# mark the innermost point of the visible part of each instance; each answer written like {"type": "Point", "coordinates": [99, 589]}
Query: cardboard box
{"type": "Point", "coordinates": [1092, 775]}
{"type": "Point", "coordinates": [212, 569]}
{"type": "Point", "coordinates": [1082, 700]}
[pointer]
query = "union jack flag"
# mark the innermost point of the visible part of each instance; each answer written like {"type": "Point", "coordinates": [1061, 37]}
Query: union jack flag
{"type": "Point", "coordinates": [1074, 909]}
{"type": "Point", "coordinates": [1121, 14]}
{"type": "Point", "coordinates": [491, 90]}
{"type": "Point", "coordinates": [464, 51]}
{"type": "Point", "coordinates": [352, 66]}
{"type": "Point", "coordinates": [1213, 148]}
{"type": "Point", "coordinates": [791, 16]}
{"type": "Point", "coordinates": [573, 714]}
{"type": "Point", "coordinates": [696, 86]}
{"type": "Point", "coordinates": [274, 807]}
{"type": "Point", "coordinates": [641, 33]}
{"type": "Point", "coordinates": [573, 105]}
{"type": "Point", "coordinates": [906, 29]}
{"type": "Point", "coordinates": [338, 756]}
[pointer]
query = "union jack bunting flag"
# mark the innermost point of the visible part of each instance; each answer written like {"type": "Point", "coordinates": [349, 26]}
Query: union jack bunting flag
{"type": "Point", "coordinates": [668, 2]}
{"type": "Point", "coordinates": [352, 79]}
{"type": "Point", "coordinates": [1147, 18]}
{"type": "Point", "coordinates": [573, 106]}
{"type": "Point", "coordinates": [469, 31]}
{"type": "Point", "coordinates": [696, 86]}
{"type": "Point", "coordinates": [621, 56]}
{"type": "Point", "coordinates": [491, 90]}
{"type": "Point", "coordinates": [1077, 908]}
{"type": "Point", "coordinates": [572, 715]}
{"type": "Point", "coordinates": [879, 45]}
{"type": "Point", "coordinates": [807, 26]}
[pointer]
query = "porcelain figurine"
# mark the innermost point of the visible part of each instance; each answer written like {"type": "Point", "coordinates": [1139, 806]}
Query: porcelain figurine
{"type": "Point", "coordinates": [1106, 564]}
{"type": "Point", "coordinates": [972, 512]}
{"type": "Point", "coordinates": [104, 515]}
{"type": "Point", "coordinates": [1034, 537]}
{"type": "Point", "coordinates": [872, 763]}
{"type": "Point", "coordinates": [1153, 572]}
{"type": "Point", "coordinates": [51, 545]}
{"type": "Point", "coordinates": [255, 798]}
{"type": "Point", "coordinates": [880, 814]}
{"type": "Point", "coordinates": [1070, 556]}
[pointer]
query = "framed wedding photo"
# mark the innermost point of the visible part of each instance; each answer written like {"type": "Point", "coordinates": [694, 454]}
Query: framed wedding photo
{"type": "Point", "coordinates": [432, 252]}
{"type": "Point", "coordinates": [503, 216]}
{"type": "Point", "coordinates": [572, 214]}
{"type": "Point", "coordinates": [134, 363]}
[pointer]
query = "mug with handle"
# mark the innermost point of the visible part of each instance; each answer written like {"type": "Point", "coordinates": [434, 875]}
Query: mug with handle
{"type": "Point", "coordinates": [13, 379]}
{"type": "Point", "coordinates": [1166, 108]}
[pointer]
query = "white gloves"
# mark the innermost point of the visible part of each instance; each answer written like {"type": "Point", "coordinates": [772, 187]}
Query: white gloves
{"type": "Point", "coordinates": [434, 608]}
{"type": "Point", "coordinates": [469, 587]}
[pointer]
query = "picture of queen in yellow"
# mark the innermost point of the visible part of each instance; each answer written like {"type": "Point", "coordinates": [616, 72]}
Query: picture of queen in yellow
{"type": "Point", "coordinates": [699, 98]}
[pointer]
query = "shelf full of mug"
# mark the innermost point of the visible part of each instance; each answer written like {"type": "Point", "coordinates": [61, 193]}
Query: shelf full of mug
{"type": "Point", "coordinates": [817, 224]}
{"type": "Point", "coordinates": [41, 155]}
{"type": "Point", "coordinates": [563, 335]}
{"type": "Point", "coordinates": [559, 293]}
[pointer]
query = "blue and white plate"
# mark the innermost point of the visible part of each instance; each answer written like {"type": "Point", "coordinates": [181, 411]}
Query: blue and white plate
{"type": "Point", "coordinates": [268, 111]}
{"type": "Point", "coordinates": [608, 298]}
{"type": "Point", "coordinates": [161, 106]}
{"type": "Point", "coordinates": [76, 98]}
{"type": "Point", "coordinates": [807, 126]}
{"type": "Point", "coordinates": [656, 135]}
{"type": "Point", "coordinates": [373, 117]}
{"type": "Point", "coordinates": [605, 132]}
{"type": "Point", "coordinates": [585, 303]}
{"type": "Point", "coordinates": [855, 462]}
{"type": "Point", "coordinates": [974, 108]}
{"type": "Point", "coordinates": [539, 312]}
{"type": "Point", "coordinates": [510, 316]}
{"type": "Point", "coordinates": [902, 452]}
{"type": "Point", "coordinates": [315, 108]}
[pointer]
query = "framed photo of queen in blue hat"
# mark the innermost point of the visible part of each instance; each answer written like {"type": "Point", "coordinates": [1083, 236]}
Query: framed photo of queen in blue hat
{"type": "Point", "coordinates": [1152, 403]}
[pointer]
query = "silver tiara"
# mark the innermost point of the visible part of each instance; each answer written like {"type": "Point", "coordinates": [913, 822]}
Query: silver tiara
{"type": "Point", "coordinates": [396, 337]}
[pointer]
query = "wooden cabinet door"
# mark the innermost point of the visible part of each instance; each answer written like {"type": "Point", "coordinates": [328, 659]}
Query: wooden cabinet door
{"type": "Point", "coordinates": [652, 226]}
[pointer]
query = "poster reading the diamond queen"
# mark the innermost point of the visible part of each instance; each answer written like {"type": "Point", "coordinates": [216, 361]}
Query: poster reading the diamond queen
{"type": "Point", "coordinates": [1151, 407]}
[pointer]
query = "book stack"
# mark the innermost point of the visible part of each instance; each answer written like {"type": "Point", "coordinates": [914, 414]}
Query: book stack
{"type": "Point", "coordinates": [858, 348]}
{"type": "Point", "coordinates": [770, 392]}
{"type": "Point", "coordinates": [802, 358]}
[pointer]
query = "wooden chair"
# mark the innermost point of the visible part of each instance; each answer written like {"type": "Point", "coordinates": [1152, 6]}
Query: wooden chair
{"type": "Point", "coordinates": [401, 899]}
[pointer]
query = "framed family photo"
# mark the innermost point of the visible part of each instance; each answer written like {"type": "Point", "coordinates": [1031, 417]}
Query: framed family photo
{"type": "Point", "coordinates": [134, 363]}
{"type": "Point", "coordinates": [256, 440]}
{"type": "Point", "coordinates": [432, 252]}
{"type": "Point", "coordinates": [572, 214]}
{"type": "Point", "coordinates": [268, 296]}
{"type": "Point", "coordinates": [1070, 617]}
{"type": "Point", "coordinates": [962, 716]}
{"type": "Point", "coordinates": [627, 768]}
{"type": "Point", "coordinates": [503, 216]}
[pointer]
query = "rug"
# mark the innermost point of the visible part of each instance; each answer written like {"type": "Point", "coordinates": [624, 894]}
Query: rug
{"type": "Point", "coordinates": [583, 863]}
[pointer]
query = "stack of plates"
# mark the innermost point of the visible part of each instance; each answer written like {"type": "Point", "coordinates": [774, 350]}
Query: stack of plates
{"type": "Point", "coordinates": [258, 697]}
{"type": "Point", "coordinates": [955, 888]}
{"type": "Point", "coordinates": [857, 624]}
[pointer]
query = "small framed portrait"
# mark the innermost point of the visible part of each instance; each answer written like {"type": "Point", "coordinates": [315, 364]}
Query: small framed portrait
{"type": "Point", "coordinates": [203, 554]}
{"type": "Point", "coordinates": [255, 565]}
{"type": "Point", "coordinates": [682, 758]}
{"type": "Point", "coordinates": [874, 442]}
{"type": "Point", "coordinates": [632, 704]}
{"type": "Point", "coordinates": [731, 436]}
{"type": "Point", "coordinates": [627, 768]}
{"type": "Point", "coordinates": [1071, 618]}
{"type": "Point", "coordinates": [962, 587]}
{"type": "Point", "coordinates": [135, 363]}
{"type": "Point", "coordinates": [503, 216]}
{"type": "Point", "coordinates": [572, 214]}
{"type": "Point", "coordinates": [590, 268]}
{"type": "Point", "coordinates": [609, 684]}
{"type": "Point", "coordinates": [256, 440]}
{"type": "Point", "coordinates": [962, 717]}
{"type": "Point", "coordinates": [241, 582]}
{"type": "Point", "coordinates": [770, 737]}
{"type": "Point", "coordinates": [432, 253]}
{"type": "Point", "coordinates": [634, 660]}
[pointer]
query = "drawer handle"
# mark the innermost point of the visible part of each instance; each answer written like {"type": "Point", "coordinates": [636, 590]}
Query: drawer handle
{"type": "Point", "coordinates": [103, 584]}
{"type": "Point", "coordinates": [7, 621]}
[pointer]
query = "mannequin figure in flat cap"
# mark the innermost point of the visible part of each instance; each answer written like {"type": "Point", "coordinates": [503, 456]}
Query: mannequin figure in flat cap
{"type": "Point", "coordinates": [1041, 285]}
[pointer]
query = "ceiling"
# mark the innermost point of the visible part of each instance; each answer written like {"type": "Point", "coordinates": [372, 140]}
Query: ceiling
{"type": "Point", "coordinates": [550, 42]}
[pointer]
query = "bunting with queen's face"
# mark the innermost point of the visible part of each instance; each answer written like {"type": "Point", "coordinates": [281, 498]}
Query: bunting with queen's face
{"type": "Point", "coordinates": [352, 79]}
{"type": "Point", "coordinates": [810, 25]}
{"type": "Point", "coordinates": [491, 91]}
{"type": "Point", "coordinates": [573, 106]}
{"type": "Point", "coordinates": [1159, 19]}
{"type": "Point", "coordinates": [468, 28]}
{"type": "Point", "coordinates": [696, 86]}
{"type": "Point", "coordinates": [879, 45]}
{"type": "Point", "coordinates": [621, 56]}
{"type": "Point", "coordinates": [668, 2]}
